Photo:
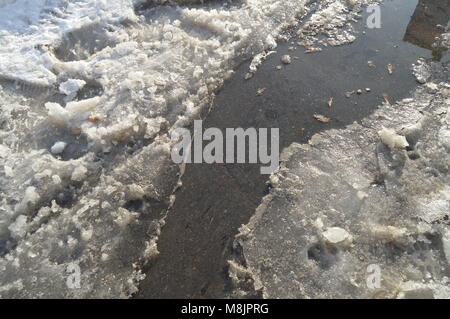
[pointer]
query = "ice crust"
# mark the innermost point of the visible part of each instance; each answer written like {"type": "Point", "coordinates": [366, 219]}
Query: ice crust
{"type": "Point", "coordinates": [371, 196]}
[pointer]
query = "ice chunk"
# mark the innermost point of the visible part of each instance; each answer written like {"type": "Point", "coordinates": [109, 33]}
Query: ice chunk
{"type": "Point", "coordinates": [337, 235]}
{"type": "Point", "coordinates": [86, 234]}
{"type": "Point", "coordinates": [79, 173]}
{"type": "Point", "coordinates": [388, 233]}
{"type": "Point", "coordinates": [392, 140]}
{"type": "Point", "coordinates": [58, 147]}
{"type": "Point", "coordinates": [31, 196]}
{"type": "Point", "coordinates": [18, 228]}
{"type": "Point", "coordinates": [136, 192]}
{"type": "Point", "coordinates": [421, 71]}
{"type": "Point", "coordinates": [286, 59]}
{"type": "Point", "coordinates": [124, 217]}
{"type": "Point", "coordinates": [444, 138]}
{"type": "Point", "coordinates": [82, 106]}
{"type": "Point", "coordinates": [57, 113]}
{"type": "Point", "coordinates": [71, 87]}
{"type": "Point", "coordinates": [258, 60]}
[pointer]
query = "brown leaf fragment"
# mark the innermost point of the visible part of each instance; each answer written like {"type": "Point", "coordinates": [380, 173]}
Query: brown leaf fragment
{"type": "Point", "coordinates": [75, 131]}
{"type": "Point", "coordinates": [349, 94]}
{"type": "Point", "coordinates": [261, 91]}
{"type": "Point", "coordinates": [322, 118]}
{"type": "Point", "coordinates": [304, 44]}
{"type": "Point", "coordinates": [313, 50]}
{"type": "Point", "coordinates": [390, 68]}
{"type": "Point", "coordinates": [94, 119]}
{"type": "Point", "coordinates": [330, 102]}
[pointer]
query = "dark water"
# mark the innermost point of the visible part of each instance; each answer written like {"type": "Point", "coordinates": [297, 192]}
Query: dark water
{"type": "Point", "coordinates": [216, 200]}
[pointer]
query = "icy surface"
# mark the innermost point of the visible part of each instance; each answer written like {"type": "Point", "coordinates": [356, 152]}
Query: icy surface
{"type": "Point", "coordinates": [331, 23]}
{"type": "Point", "coordinates": [371, 199]}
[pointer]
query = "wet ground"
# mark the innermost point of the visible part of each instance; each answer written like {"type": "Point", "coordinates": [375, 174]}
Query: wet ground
{"type": "Point", "coordinates": [215, 200]}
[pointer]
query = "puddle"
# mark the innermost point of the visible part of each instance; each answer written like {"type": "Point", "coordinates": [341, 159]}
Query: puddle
{"type": "Point", "coordinates": [216, 200]}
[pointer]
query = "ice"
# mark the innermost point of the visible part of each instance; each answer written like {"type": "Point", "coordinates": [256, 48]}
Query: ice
{"type": "Point", "coordinates": [421, 71]}
{"type": "Point", "coordinates": [258, 59]}
{"type": "Point", "coordinates": [337, 235]}
{"type": "Point", "coordinates": [71, 87]}
{"type": "Point", "coordinates": [79, 173]}
{"type": "Point", "coordinates": [446, 244]}
{"type": "Point", "coordinates": [350, 203]}
{"type": "Point", "coordinates": [57, 113]}
{"type": "Point", "coordinates": [18, 228]}
{"type": "Point", "coordinates": [286, 59]}
{"type": "Point", "coordinates": [58, 147]}
{"type": "Point", "coordinates": [82, 106]}
{"type": "Point", "coordinates": [21, 15]}
{"type": "Point", "coordinates": [30, 198]}
{"type": "Point", "coordinates": [392, 140]}
{"type": "Point", "coordinates": [110, 81]}
{"type": "Point", "coordinates": [329, 25]}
